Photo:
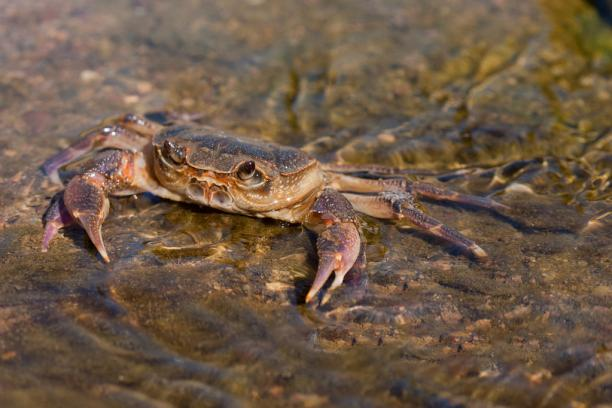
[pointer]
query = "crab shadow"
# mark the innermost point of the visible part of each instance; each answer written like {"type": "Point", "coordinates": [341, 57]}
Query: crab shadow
{"type": "Point", "coordinates": [505, 218]}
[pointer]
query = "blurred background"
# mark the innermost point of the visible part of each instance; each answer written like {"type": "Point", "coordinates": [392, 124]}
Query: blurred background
{"type": "Point", "coordinates": [200, 308]}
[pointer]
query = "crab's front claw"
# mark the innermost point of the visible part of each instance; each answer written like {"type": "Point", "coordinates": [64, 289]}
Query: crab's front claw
{"type": "Point", "coordinates": [86, 200]}
{"type": "Point", "coordinates": [338, 249]}
{"type": "Point", "coordinates": [339, 242]}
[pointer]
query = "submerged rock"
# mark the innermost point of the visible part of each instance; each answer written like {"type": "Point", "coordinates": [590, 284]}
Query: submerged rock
{"type": "Point", "coordinates": [198, 307]}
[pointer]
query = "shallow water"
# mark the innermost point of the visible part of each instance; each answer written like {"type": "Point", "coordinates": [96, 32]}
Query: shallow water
{"type": "Point", "coordinates": [200, 308]}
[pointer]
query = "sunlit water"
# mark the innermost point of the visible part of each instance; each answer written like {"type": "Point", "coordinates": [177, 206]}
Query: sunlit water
{"type": "Point", "coordinates": [201, 308]}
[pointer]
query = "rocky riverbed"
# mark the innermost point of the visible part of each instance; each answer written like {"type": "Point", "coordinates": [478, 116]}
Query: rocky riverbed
{"type": "Point", "coordinates": [201, 308]}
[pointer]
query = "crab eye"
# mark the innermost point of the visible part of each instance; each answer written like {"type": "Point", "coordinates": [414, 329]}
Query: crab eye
{"type": "Point", "coordinates": [246, 170]}
{"type": "Point", "coordinates": [173, 152]}
{"type": "Point", "coordinates": [248, 174]}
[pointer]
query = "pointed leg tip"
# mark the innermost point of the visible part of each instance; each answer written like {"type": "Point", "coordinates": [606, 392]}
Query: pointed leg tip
{"type": "Point", "coordinates": [326, 298]}
{"type": "Point", "coordinates": [501, 207]}
{"type": "Point", "coordinates": [50, 169]}
{"type": "Point", "coordinates": [50, 232]}
{"type": "Point", "coordinates": [310, 296]}
{"type": "Point", "coordinates": [478, 252]}
{"type": "Point", "coordinates": [44, 245]}
{"type": "Point", "coordinates": [99, 244]}
{"type": "Point", "coordinates": [55, 178]}
{"type": "Point", "coordinates": [102, 251]}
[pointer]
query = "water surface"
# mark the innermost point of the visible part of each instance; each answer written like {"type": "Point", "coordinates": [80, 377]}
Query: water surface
{"type": "Point", "coordinates": [201, 308]}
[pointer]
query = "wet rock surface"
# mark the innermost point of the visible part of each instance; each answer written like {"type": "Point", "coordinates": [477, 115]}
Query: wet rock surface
{"type": "Point", "coordinates": [201, 308]}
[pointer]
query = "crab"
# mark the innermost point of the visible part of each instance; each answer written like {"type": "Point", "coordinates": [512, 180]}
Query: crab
{"type": "Point", "coordinates": [202, 165]}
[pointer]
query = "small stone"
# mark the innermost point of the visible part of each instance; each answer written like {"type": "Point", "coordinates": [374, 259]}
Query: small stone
{"type": "Point", "coordinates": [187, 102]}
{"type": "Point", "coordinates": [603, 95]}
{"type": "Point", "coordinates": [482, 324]}
{"type": "Point", "coordinates": [89, 76]}
{"type": "Point", "coordinates": [518, 312]}
{"type": "Point", "coordinates": [451, 315]}
{"type": "Point", "coordinates": [9, 355]}
{"type": "Point", "coordinates": [386, 138]}
{"type": "Point", "coordinates": [144, 87]}
{"type": "Point", "coordinates": [131, 99]}
{"type": "Point", "coordinates": [602, 291]}
{"type": "Point", "coordinates": [585, 125]}
{"type": "Point", "coordinates": [278, 286]}
{"type": "Point", "coordinates": [310, 400]}
{"type": "Point", "coordinates": [276, 391]}
{"type": "Point", "coordinates": [539, 376]}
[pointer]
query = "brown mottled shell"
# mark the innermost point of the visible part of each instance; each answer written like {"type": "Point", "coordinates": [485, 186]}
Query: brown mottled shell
{"type": "Point", "coordinates": [211, 149]}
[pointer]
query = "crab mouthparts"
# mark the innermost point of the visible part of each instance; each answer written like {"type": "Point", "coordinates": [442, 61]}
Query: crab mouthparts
{"type": "Point", "coordinates": [208, 193]}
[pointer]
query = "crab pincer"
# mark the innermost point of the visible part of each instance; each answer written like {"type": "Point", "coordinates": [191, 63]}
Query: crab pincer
{"type": "Point", "coordinates": [85, 199]}
{"type": "Point", "coordinates": [85, 202]}
{"type": "Point", "coordinates": [339, 240]}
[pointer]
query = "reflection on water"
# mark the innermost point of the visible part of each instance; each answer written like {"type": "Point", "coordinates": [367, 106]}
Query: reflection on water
{"type": "Point", "coordinates": [200, 308]}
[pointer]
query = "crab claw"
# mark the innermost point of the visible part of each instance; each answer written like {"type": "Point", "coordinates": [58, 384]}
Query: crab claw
{"type": "Point", "coordinates": [86, 200]}
{"type": "Point", "coordinates": [55, 218]}
{"type": "Point", "coordinates": [338, 248]}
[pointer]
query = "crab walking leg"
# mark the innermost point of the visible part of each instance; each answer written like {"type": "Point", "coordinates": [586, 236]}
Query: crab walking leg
{"type": "Point", "coordinates": [372, 169]}
{"type": "Point", "coordinates": [436, 193]}
{"type": "Point", "coordinates": [343, 182]}
{"type": "Point", "coordinates": [137, 123]}
{"type": "Point", "coordinates": [397, 205]}
{"type": "Point", "coordinates": [339, 240]}
{"type": "Point", "coordinates": [128, 132]}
